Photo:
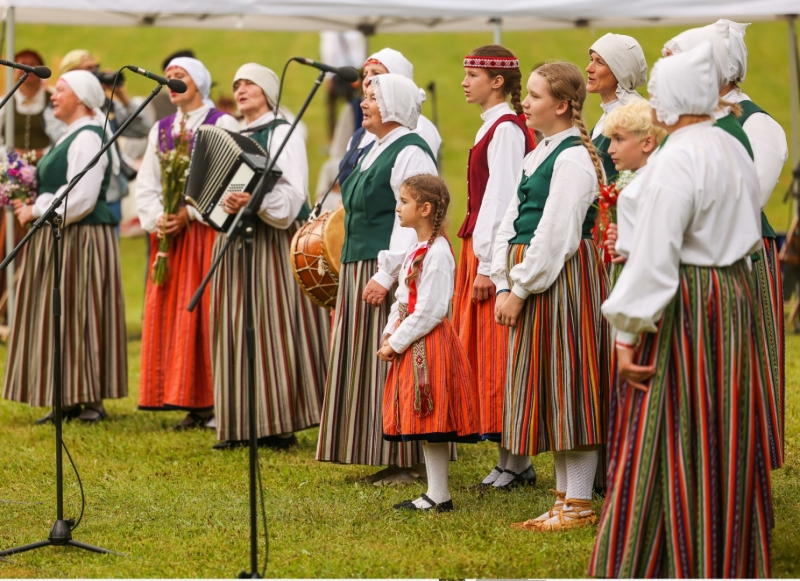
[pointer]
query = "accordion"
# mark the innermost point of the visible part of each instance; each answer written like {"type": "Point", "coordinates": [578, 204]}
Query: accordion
{"type": "Point", "coordinates": [223, 162]}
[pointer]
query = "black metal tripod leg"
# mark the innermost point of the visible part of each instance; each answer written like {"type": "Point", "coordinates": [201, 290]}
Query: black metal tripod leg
{"type": "Point", "coordinates": [92, 548]}
{"type": "Point", "coordinates": [24, 548]}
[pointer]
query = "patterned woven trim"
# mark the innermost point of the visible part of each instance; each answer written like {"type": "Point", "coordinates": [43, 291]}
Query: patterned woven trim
{"type": "Point", "coordinates": [491, 62]}
{"type": "Point", "coordinates": [423, 400]}
{"type": "Point", "coordinates": [374, 62]}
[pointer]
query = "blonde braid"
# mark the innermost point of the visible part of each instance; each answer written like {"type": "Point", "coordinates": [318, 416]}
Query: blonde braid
{"type": "Point", "coordinates": [577, 119]}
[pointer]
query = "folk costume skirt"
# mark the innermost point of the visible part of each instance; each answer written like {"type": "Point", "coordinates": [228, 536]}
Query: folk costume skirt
{"type": "Point", "coordinates": [769, 286]}
{"type": "Point", "coordinates": [485, 342]}
{"type": "Point", "coordinates": [689, 479]}
{"type": "Point", "coordinates": [286, 395]}
{"type": "Point", "coordinates": [176, 344]}
{"type": "Point", "coordinates": [93, 334]}
{"type": "Point", "coordinates": [445, 409]}
{"type": "Point", "coordinates": [559, 358]}
{"type": "Point", "coordinates": [351, 430]}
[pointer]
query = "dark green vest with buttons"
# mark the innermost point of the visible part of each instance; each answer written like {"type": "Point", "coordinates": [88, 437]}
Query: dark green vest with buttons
{"type": "Point", "coordinates": [51, 173]}
{"type": "Point", "coordinates": [533, 192]}
{"type": "Point", "coordinates": [262, 138]}
{"type": "Point", "coordinates": [369, 203]}
{"type": "Point", "coordinates": [601, 143]}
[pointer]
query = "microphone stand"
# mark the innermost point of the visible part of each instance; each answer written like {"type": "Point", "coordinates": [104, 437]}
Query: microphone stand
{"type": "Point", "coordinates": [61, 533]}
{"type": "Point", "coordinates": [14, 89]}
{"type": "Point", "coordinates": [243, 226]}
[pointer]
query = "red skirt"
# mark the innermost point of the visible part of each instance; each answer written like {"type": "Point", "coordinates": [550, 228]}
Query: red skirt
{"type": "Point", "coordinates": [454, 415]}
{"type": "Point", "coordinates": [176, 344]}
{"type": "Point", "coordinates": [485, 342]}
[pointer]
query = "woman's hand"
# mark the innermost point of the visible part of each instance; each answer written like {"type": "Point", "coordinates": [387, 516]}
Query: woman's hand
{"type": "Point", "coordinates": [171, 224]}
{"type": "Point", "coordinates": [507, 308]}
{"type": "Point", "coordinates": [610, 243]}
{"type": "Point", "coordinates": [386, 353]}
{"type": "Point", "coordinates": [634, 374]}
{"type": "Point", "coordinates": [374, 293]}
{"type": "Point", "coordinates": [232, 203]}
{"type": "Point", "coordinates": [23, 212]}
{"type": "Point", "coordinates": [482, 289]}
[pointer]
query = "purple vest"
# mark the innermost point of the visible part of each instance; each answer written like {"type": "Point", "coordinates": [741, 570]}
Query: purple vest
{"type": "Point", "coordinates": [165, 127]}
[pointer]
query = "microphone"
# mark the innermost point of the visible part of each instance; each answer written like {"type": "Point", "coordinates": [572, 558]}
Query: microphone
{"type": "Point", "coordinates": [41, 72]}
{"type": "Point", "coordinates": [174, 84]}
{"type": "Point", "coordinates": [348, 74]}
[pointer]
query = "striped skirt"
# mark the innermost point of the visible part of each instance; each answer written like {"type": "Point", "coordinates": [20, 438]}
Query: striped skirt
{"type": "Point", "coordinates": [93, 336]}
{"type": "Point", "coordinates": [485, 342]}
{"type": "Point", "coordinates": [769, 287]}
{"type": "Point", "coordinates": [176, 345]}
{"type": "Point", "coordinates": [689, 480]}
{"type": "Point", "coordinates": [351, 430]}
{"type": "Point", "coordinates": [286, 394]}
{"type": "Point", "coordinates": [559, 360]}
{"type": "Point", "coordinates": [453, 396]}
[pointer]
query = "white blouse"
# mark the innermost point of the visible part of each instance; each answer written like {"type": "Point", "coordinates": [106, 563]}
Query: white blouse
{"type": "Point", "coordinates": [411, 161]}
{"type": "Point", "coordinates": [627, 204]}
{"type": "Point", "coordinates": [434, 293]}
{"type": "Point", "coordinates": [768, 141]}
{"type": "Point", "coordinates": [607, 108]}
{"type": "Point", "coordinates": [573, 189]}
{"type": "Point", "coordinates": [505, 154]}
{"type": "Point", "coordinates": [280, 207]}
{"type": "Point", "coordinates": [148, 181]}
{"type": "Point", "coordinates": [83, 197]}
{"type": "Point", "coordinates": [699, 206]}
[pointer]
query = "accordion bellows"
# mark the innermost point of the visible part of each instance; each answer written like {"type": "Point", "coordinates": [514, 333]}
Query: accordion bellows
{"type": "Point", "coordinates": [223, 162]}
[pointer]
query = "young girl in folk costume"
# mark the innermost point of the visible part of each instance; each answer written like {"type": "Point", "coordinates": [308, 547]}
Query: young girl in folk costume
{"type": "Point", "coordinates": [737, 115]}
{"type": "Point", "coordinates": [288, 386]}
{"type": "Point", "coordinates": [550, 283]}
{"type": "Point", "coordinates": [633, 141]}
{"type": "Point", "coordinates": [375, 245]}
{"type": "Point", "coordinates": [689, 491]}
{"type": "Point", "coordinates": [616, 67]}
{"type": "Point", "coordinates": [491, 75]}
{"type": "Point", "coordinates": [386, 60]}
{"type": "Point", "coordinates": [429, 393]}
{"type": "Point", "coordinates": [94, 355]}
{"type": "Point", "coordinates": [176, 345]}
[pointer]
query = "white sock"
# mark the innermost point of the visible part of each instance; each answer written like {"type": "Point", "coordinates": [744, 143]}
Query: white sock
{"type": "Point", "coordinates": [502, 460]}
{"type": "Point", "coordinates": [516, 463]}
{"type": "Point", "coordinates": [560, 460]}
{"type": "Point", "coordinates": [437, 459]}
{"type": "Point", "coordinates": [581, 467]}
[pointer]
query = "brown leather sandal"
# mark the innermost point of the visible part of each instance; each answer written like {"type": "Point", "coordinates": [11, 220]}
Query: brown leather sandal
{"type": "Point", "coordinates": [576, 513]}
{"type": "Point", "coordinates": [531, 524]}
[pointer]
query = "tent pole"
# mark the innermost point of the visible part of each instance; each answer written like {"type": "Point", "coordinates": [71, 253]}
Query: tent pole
{"type": "Point", "coordinates": [795, 98]}
{"type": "Point", "coordinates": [497, 26]}
{"type": "Point", "coordinates": [9, 215]}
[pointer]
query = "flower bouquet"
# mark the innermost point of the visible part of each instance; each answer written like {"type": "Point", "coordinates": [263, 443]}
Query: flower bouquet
{"type": "Point", "coordinates": [607, 204]}
{"type": "Point", "coordinates": [17, 179]}
{"type": "Point", "coordinates": [174, 165]}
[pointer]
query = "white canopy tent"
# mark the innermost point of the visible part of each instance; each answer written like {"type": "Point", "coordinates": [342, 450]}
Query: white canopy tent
{"type": "Point", "coordinates": [394, 16]}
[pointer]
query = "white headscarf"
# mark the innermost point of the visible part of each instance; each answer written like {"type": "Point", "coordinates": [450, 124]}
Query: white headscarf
{"type": "Point", "coordinates": [399, 99]}
{"type": "Point", "coordinates": [684, 84]}
{"type": "Point", "coordinates": [625, 58]}
{"type": "Point", "coordinates": [737, 49]}
{"type": "Point", "coordinates": [717, 34]}
{"type": "Point", "coordinates": [394, 61]}
{"type": "Point", "coordinates": [199, 73]}
{"type": "Point", "coordinates": [265, 78]}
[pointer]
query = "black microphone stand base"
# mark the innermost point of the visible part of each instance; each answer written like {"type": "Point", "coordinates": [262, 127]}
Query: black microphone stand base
{"type": "Point", "coordinates": [246, 575]}
{"type": "Point", "coordinates": [60, 536]}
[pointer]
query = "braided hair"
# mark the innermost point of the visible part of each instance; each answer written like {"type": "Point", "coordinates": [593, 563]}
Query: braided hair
{"type": "Point", "coordinates": [512, 78]}
{"type": "Point", "coordinates": [567, 84]}
{"type": "Point", "coordinates": [431, 189]}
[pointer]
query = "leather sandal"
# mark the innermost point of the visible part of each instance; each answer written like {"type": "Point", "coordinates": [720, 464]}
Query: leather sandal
{"type": "Point", "coordinates": [533, 523]}
{"type": "Point", "coordinates": [525, 478]}
{"type": "Point", "coordinates": [445, 506]}
{"type": "Point", "coordinates": [575, 514]}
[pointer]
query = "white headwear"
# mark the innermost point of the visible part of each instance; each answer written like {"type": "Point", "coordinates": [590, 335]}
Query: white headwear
{"type": "Point", "coordinates": [264, 78]}
{"type": "Point", "coordinates": [684, 84]}
{"type": "Point", "coordinates": [737, 49]}
{"type": "Point", "coordinates": [394, 62]}
{"type": "Point", "coordinates": [86, 87]}
{"type": "Point", "coordinates": [717, 34]}
{"type": "Point", "coordinates": [625, 58]}
{"type": "Point", "coordinates": [199, 73]}
{"type": "Point", "coordinates": [399, 99]}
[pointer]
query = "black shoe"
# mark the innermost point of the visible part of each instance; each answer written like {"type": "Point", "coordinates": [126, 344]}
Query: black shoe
{"type": "Point", "coordinates": [230, 444]}
{"type": "Point", "coordinates": [525, 478]}
{"type": "Point", "coordinates": [91, 415]}
{"type": "Point", "coordinates": [481, 485]}
{"type": "Point", "coordinates": [445, 506]}
{"type": "Point", "coordinates": [278, 443]}
{"type": "Point", "coordinates": [67, 415]}
{"type": "Point", "coordinates": [192, 420]}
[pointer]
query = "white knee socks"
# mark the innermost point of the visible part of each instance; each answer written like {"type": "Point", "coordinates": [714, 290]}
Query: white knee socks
{"type": "Point", "coordinates": [502, 460]}
{"type": "Point", "coordinates": [437, 459]}
{"type": "Point", "coordinates": [560, 461]}
{"type": "Point", "coordinates": [516, 463]}
{"type": "Point", "coordinates": [581, 467]}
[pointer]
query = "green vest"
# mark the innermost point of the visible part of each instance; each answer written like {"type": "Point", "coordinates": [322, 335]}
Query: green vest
{"type": "Point", "coordinates": [29, 131]}
{"type": "Point", "coordinates": [369, 203]}
{"type": "Point", "coordinates": [262, 137]}
{"type": "Point", "coordinates": [533, 192]}
{"type": "Point", "coordinates": [601, 143]}
{"type": "Point", "coordinates": [51, 173]}
{"type": "Point", "coordinates": [748, 108]}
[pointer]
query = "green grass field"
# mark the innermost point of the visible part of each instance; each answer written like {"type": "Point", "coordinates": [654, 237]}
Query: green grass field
{"type": "Point", "coordinates": [177, 509]}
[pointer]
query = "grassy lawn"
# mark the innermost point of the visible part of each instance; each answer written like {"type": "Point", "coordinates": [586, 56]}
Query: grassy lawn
{"type": "Point", "coordinates": [178, 509]}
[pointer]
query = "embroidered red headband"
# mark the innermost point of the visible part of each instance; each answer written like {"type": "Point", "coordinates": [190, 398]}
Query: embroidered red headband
{"type": "Point", "coordinates": [374, 62]}
{"type": "Point", "coordinates": [491, 62]}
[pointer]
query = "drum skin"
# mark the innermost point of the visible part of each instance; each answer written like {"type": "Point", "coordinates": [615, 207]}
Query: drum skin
{"type": "Point", "coordinates": [316, 256]}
